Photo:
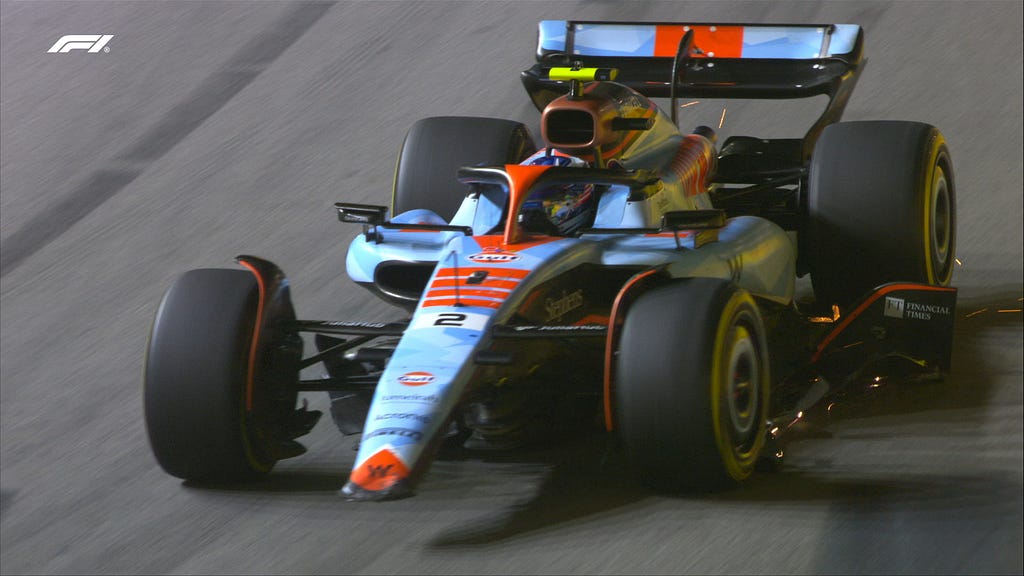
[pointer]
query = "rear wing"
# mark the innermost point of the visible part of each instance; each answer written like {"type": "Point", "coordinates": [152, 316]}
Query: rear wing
{"type": "Point", "coordinates": [758, 61]}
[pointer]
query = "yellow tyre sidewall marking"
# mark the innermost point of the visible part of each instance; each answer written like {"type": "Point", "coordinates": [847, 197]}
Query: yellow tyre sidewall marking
{"type": "Point", "coordinates": [738, 466]}
{"type": "Point", "coordinates": [937, 145]}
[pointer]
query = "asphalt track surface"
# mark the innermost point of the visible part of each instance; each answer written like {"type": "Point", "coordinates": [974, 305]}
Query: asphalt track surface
{"type": "Point", "coordinates": [212, 129]}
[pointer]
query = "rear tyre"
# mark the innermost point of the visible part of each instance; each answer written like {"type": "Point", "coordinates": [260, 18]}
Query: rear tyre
{"type": "Point", "coordinates": [692, 385]}
{"type": "Point", "coordinates": [197, 366]}
{"type": "Point", "coordinates": [882, 208]}
{"type": "Point", "coordinates": [436, 148]}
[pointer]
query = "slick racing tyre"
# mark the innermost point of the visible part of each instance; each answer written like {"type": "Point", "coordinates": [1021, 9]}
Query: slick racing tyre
{"type": "Point", "coordinates": [692, 385]}
{"type": "Point", "coordinates": [881, 208]}
{"type": "Point", "coordinates": [198, 364]}
{"type": "Point", "coordinates": [435, 149]}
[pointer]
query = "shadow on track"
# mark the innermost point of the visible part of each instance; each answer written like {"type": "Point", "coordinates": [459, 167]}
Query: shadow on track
{"type": "Point", "coordinates": [584, 477]}
{"type": "Point", "coordinates": [289, 482]}
{"type": "Point", "coordinates": [588, 481]}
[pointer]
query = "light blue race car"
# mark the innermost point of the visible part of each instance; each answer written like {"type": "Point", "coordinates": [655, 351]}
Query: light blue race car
{"type": "Point", "coordinates": [624, 272]}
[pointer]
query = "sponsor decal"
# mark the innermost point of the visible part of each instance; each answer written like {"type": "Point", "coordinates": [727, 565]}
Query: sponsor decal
{"type": "Point", "coordinates": [565, 328]}
{"type": "Point", "coordinates": [341, 324]}
{"type": "Point", "coordinates": [396, 432]}
{"type": "Point", "coordinates": [558, 307]}
{"type": "Point", "coordinates": [380, 471]}
{"type": "Point", "coordinates": [893, 307]}
{"type": "Point", "coordinates": [924, 311]}
{"type": "Point", "coordinates": [494, 256]}
{"type": "Point", "coordinates": [901, 308]}
{"type": "Point", "coordinates": [416, 378]}
{"type": "Point", "coordinates": [405, 416]}
{"type": "Point", "coordinates": [421, 398]}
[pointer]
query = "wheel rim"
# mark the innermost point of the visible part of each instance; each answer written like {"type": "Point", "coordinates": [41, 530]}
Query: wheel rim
{"type": "Point", "coordinates": [942, 222]}
{"type": "Point", "coordinates": [742, 397]}
{"type": "Point", "coordinates": [741, 388]}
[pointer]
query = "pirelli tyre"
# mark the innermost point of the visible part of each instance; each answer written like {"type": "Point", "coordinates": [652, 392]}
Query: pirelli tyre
{"type": "Point", "coordinates": [199, 363]}
{"type": "Point", "coordinates": [435, 149]}
{"type": "Point", "coordinates": [692, 385]}
{"type": "Point", "coordinates": [881, 208]}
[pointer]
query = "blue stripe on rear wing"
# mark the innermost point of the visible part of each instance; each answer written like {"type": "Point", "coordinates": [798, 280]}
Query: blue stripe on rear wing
{"type": "Point", "coordinates": [651, 40]}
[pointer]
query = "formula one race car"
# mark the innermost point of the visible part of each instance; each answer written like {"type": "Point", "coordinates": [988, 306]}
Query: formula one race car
{"type": "Point", "coordinates": [625, 270]}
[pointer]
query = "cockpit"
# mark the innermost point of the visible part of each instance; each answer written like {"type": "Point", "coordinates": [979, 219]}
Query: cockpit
{"type": "Point", "coordinates": [558, 209]}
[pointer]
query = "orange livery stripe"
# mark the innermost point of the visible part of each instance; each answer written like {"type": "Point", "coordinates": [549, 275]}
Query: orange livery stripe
{"type": "Point", "coordinates": [468, 292]}
{"type": "Point", "coordinates": [487, 283]}
{"type": "Point", "coordinates": [462, 302]}
{"type": "Point", "coordinates": [491, 272]}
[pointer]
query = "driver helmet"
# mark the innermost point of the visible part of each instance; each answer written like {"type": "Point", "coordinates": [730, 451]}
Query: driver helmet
{"type": "Point", "coordinates": [559, 210]}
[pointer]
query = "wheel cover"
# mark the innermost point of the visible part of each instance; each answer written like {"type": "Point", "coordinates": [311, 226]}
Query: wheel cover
{"type": "Point", "coordinates": [741, 393]}
{"type": "Point", "coordinates": [941, 220]}
{"type": "Point", "coordinates": [739, 387]}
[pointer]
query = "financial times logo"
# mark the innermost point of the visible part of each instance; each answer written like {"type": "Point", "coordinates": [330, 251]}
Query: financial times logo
{"type": "Point", "coordinates": [91, 43]}
{"type": "Point", "coordinates": [894, 307]}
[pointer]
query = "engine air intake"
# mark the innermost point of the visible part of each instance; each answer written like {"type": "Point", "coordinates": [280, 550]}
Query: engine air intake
{"type": "Point", "coordinates": [569, 127]}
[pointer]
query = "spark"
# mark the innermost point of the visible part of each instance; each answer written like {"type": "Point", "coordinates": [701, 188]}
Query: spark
{"type": "Point", "coordinates": [976, 312]}
{"type": "Point", "coordinates": [721, 122]}
{"type": "Point", "coordinates": [688, 104]}
{"type": "Point", "coordinates": [958, 262]}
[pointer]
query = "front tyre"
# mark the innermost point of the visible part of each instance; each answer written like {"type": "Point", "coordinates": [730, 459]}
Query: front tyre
{"type": "Point", "coordinates": [198, 365]}
{"type": "Point", "coordinates": [692, 385]}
